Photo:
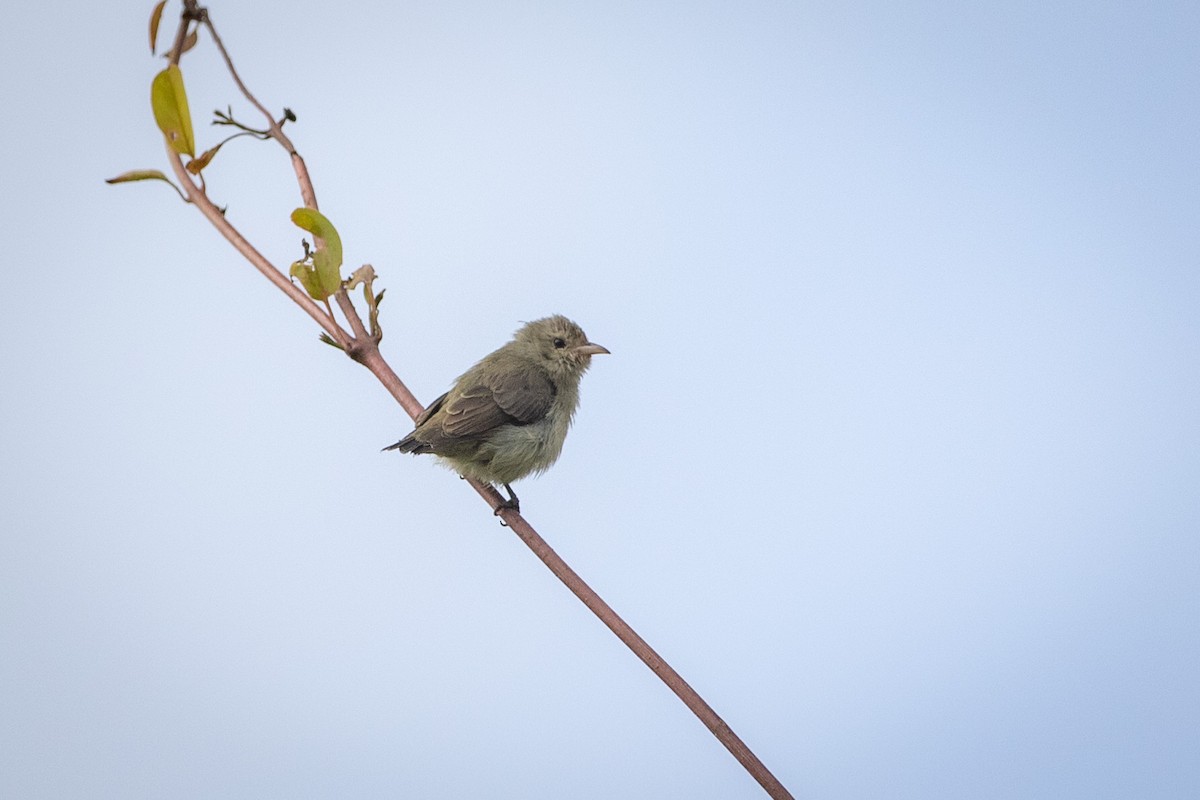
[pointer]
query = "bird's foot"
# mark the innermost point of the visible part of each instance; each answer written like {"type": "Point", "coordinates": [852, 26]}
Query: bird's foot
{"type": "Point", "coordinates": [511, 503]}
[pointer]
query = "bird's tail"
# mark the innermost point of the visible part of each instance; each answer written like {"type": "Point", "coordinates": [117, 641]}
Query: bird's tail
{"type": "Point", "coordinates": [406, 445]}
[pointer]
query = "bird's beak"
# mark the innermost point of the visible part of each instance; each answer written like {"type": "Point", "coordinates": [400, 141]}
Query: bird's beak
{"type": "Point", "coordinates": [590, 349]}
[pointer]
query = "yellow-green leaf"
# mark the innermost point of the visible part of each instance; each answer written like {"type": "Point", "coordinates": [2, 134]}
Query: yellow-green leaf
{"type": "Point", "coordinates": [147, 175]}
{"type": "Point", "coordinates": [139, 175]}
{"type": "Point", "coordinates": [327, 260]}
{"type": "Point", "coordinates": [320, 227]}
{"type": "Point", "coordinates": [308, 279]}
{"type": "Point", "coordinates": [155, 18]}
{"type": "Point", "coordinates": [169, 101]}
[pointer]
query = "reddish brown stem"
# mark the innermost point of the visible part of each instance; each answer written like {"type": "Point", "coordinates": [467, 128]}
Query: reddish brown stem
{"type": "Point", "coordinates": [363, 348]}
{"type": "Point", "coordinates": [638, 645]}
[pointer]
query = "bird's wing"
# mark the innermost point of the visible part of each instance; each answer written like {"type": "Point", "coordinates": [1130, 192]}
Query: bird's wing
{"type": "Point", "coordinates": [431, 410]}
{"type": "Point", "coordinates": [525, 395]}
{"type": "Point", "coordinates": [510, 397]}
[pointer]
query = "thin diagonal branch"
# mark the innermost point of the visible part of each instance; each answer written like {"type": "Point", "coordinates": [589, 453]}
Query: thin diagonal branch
{"type": "Point", "coordinates": [639, 646]}
{"type": "Point", "coordinates": [363, 348]}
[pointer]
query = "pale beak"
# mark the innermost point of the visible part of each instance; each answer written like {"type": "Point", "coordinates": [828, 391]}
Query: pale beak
{"type": "Point", "coordinates": [590, 349]}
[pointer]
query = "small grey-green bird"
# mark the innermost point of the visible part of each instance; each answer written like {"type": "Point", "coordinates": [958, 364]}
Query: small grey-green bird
{"type": "Point", "coordinates": [507, 416]}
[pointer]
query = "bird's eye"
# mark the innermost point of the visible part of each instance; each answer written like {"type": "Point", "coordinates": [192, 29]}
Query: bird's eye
{"type": "Point", "coordinates": [559, 343]}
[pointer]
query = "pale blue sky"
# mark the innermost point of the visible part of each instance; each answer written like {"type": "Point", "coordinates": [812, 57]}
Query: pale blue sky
{"type": "Point", "coordinates": [896, 457]}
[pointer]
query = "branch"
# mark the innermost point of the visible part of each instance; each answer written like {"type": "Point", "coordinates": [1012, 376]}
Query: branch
{"type": "Point", "coordinates": [639, 646]}
{"type": "Point", "coordinates": [260, 262]}
{"type": "Point", "coordinates": [362, 346]}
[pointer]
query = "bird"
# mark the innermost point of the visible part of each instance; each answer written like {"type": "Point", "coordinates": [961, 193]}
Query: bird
{"type": "Point", "coordinates": [507, 417]}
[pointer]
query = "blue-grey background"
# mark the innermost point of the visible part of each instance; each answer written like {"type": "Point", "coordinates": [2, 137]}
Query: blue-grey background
{"type": "Point", "coordinates": [896, 458]}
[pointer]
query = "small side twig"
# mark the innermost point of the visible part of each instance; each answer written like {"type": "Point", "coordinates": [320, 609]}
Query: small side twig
{"type": "Point", "coordinates": [307, 193]}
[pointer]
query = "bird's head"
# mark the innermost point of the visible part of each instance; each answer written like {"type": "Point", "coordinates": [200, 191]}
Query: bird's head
{"type": "Point", "coordinates": [558, 344]}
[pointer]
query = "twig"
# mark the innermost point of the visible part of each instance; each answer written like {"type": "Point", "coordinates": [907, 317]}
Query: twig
{"type": "Point", "coordinates": [307, 193]}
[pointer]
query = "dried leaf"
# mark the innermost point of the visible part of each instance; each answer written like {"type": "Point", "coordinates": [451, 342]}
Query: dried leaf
{"type": "Point", "coordinates": [199, 163]}
{"type": "Point", "coordinates": [363, 275]}
{"type": "Point", "coordinates": [189, 42]}
{"type": "Point", "coordinates": [155, 18]}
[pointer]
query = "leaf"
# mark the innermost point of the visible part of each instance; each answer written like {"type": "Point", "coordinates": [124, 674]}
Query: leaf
{"type": "Point", "coordinates": [147, 175]}
{"type": "Point", "coordinates": [199, 163]}
{"type": "Point", "coordinates": [169, 101]}
{"type": "Point", "coordinates": [328, 255]}
{"type": "Point", "coordinates": [363, 275]}
{"type": "Point", "coordinates": [139, 175]}
{"type": "Point", "coordinates": [366, 276]}
{"type": "Point", "coordinates": [327, 339]}
{"type": "Point", "coordinates": [155, 18]}
{"type": "Point", "coordinates": [188, 43]}
{"type": "Point", "coordinates": [323, 276]}
{"type": "Point", "coordinates": [307, 275]}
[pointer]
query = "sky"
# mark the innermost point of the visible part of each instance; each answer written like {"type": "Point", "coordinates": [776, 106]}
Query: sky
{"type": "Point", "coordinates": [895, 458]}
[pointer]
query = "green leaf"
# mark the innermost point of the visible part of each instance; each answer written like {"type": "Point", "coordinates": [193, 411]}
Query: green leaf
{"type": "Point", "coordinates": [169, 101]}
{"type": "Point", "coordinates": [155, 18]}
{"type": "Point", "coordinates": [327, 339]}
{"type": "Point", "coordinates": [323, 276]}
